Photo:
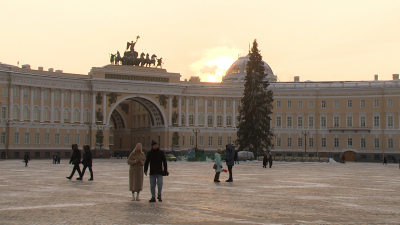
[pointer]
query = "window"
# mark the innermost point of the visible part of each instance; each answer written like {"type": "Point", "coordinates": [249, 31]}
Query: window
{"type": "Point", "coordinates": [87, 139]}
{"type": "Point", "coordinates": [201, 102]}
{"type": "Point", "coordinates": [191, 102]}
{"type": "Point", "coordinates": [86, 97]}
{"type": "Point", "coordinates": [26, 112]}
{"type": "Point", "coordinates": [323, 142]}
{"type": "Point", "coordinates": [229, 140]}
{"type": "Point", "coordinates": [210, 141]}
{"type": "Point", "coordinates": [300, 142]}
{"type": "Point", "coordinates": [36, 113]}
{"type": "Point", "coordinates": [237, 103]}
{"type": "Point", "coordinates": [47, 138]}
{"type": "Point", "coordinates": [349, 121]}
{"type": "Point", "coordinates": [46, 95]}
{"type": "Point", "coordinates": [390, 142]}
{"type": "Point", "coordinates": [66, 115]}
{"type": "Point", "coordinates": [36, 93]}
{"type": "Point", "coordinates": [183, 140]}
{"type": "Point", "coordinates": [237, 119]}
{"type": "Point", "coordinates": [4, 91]}
{"type": "Point", "coordinates": [66, 139]}
{"type": "Point", "coordinates": [229, 120]}
{"type": "Point", "coordinates": [362, 103]}
{"type": "Point", "coordinates": [76, 96]}
{"type": "Point", "coordinates": [300, 104]}
{"type": "Point", "coordinates": [376, 103]}
{"type": "Point", "coordinates": [390, 103]}
{"type": "Point", "coordinates": [336, 104]}
{"type": "Point", "coordinates": [26, 93]}
{"type": "Point", "coordinates": [16, 138]}
{"type": "Point", "coordinates": [86, 117]}
{"type": "Point", "coordinates": [376, 121]}
{"type": "Point", "coordinates": [219, 141]}
{"type": "Point", "coordinates": [349, 103]}
{"type": "Point", "coordinates": [289, 121]}
{"type": "Point", "coordinates": [57, 96]}
{"type": "Point", "coordinates": [336, 122]}
{"type": "Point", "coordinates": [182, 119]}
{"type": "Point", "coordinates": [37, 138]}
{"type": "Point", "coordinates": [311, 104]}
{"type": "Point", "coordinates": [376, 142]}
{"type": "Point", "coordinates": [210, 103]}
{"type": "Point", "coordinates": [3, 112]}
{"type": "Point", "coordinates": [362, 143]}
{"type": "Point", "coordinates": [66, 96]}
{"type": "Point", "coordinates": [77, 139]}
{"type": "Point", "coordinates": [219, 103]}
{"type": "Point", "coordinates": [46, 114]}
{"type": "Point", "coordinates": [210, 120]}
{"type": "Point", "coordinates": [16, 92]}
{"type": "Point", "coordinates": [310, 121]}
{"type": "Point", "coordinates": [76, 115]}
{"type": "Point", "coordinates": [278, 121]}
{"type": "Point", "coordinates": [15, 112]}
{"type": "Point", "coordinates": [289, 104]}
{"type": "Point", "coordinates": [56, 114]}
{"type": "Point", "coordinates": [3, 138]}
{"type": "Point", "coordinates": [278, 104]}
{"type": "Point", "coordinates": [191, 119]}
{"type": "Point", "coordinates": [336, 142]}
{"type": "Point", "coordinates": [191, 140]}
{"type": "Point", "coordinates": [323, 121]}
{"type": "Point", "coordinates": [362, 121]}
{"type": "Point", "coordinates": [219, 120]}
{"type": "Point", "coordinates": [278, 142]}
{"type": "Point", "coordinates": [201, 141]}
{"type": "Point", "coordinates": [228, 103]}
{"type": "Point", "coordinates": [311, 142]}
{"type": "Point", "coordinates": [349, 142]}
{"type": "Point", "coordinates": [289, 142]}
{"type": "Point", "coordinates": [56, 139]}
{"type": "Point", "coordinates": [300, 121]}
{"type": "Point", "coordinates": [201, 119]}
{"type": "Point", "coordinates": [323, 104]}
{"type": "Point", "coordinates": [390, 121]}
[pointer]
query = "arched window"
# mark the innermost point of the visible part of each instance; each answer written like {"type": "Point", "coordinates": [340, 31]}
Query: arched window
{"type": "Point", "coordinates": [15, 112]}
{"type": "Point", "coordinates": [56, 114]}
{"type": "Point", "coordinates": [191, 119]}
{"type": "Point", "coordinates": [66, 115]}
{"type": "Point", "coordinates": [86, 115]}
{"type": "Point", "coordinates": [76, 115]}
{"type": "Point", "coordinates": [36, 113]}
{"type": "Point", "coordinates": [219, 120]}
{"type": "Point", "coordinates": [201, 119]}
{"type": "Point", "coordinates": [46, 114]}
{"type": "Point", "coordinates": [26, 112]}
{"type": "Point", "coordinates": [229, 120]}
{"type": "Point", "coordinates": [210, 119]}
{"type": "Point", "coordinates": [183, 118]}
{"type": "Point", "coordinates": [237, 119]}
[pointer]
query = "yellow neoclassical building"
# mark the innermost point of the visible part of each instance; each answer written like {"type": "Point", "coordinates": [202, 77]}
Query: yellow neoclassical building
{"type": "Point", "coordinates": [43, 112]}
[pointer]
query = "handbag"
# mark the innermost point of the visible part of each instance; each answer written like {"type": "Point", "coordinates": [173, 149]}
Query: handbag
{"type": "Point", "coordinates": [215, 166]}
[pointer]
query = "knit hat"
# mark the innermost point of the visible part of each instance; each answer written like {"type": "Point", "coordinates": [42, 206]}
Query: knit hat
{"type": "Point", "coordinates": [153, 143]}
{"type": "Point", "coordinates": [218, 150]}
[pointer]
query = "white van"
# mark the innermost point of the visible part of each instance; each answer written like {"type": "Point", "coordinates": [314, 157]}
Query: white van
{"type": "Point", "coordinates": [245, 155]}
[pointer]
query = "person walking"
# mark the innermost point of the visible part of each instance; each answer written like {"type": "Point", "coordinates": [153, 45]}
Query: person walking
{"type": "Point", "coordinates": [55, 158]}
{"type": "Point", "coordinates": [157, 160]}
{"type": "Point", "coordinates": [230, 155]}
{"type": "Point", "coordinates": [270, 160]}
{"type": "Point", "coordinates": [26, 159]}
{"type": "Point", "coordinates": [236, 157]}
{"type": "Point", "coordinates": [265, 161]}
{"type": "Point", "coordinates": [75, 159]}
{"type": "Point", "coordinates": [384, 160]}
{"type": "Point", "coordinates": [136, 161]}
{"type": "Point", "coordinates": [217, 161]}
{"type": "Point", "coordinates": [87, 162]}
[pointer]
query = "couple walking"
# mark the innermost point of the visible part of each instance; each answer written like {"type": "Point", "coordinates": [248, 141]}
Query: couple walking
{"type": "Point", "coordinates": [229, 158]}
{"type": "Point", "coordinates": [76, 160]}
{"type": "Point", "coordinates": [139, 164]}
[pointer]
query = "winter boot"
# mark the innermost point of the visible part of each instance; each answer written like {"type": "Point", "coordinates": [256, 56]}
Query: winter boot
{"type": "Point", "coordinates": [69, 178]}
{"type": "Point", "coordinates": [152, 200]}
{"type": "Point", "coordinates": [133, 196]}
{"type": "Point", "coordinates": [137, 197]}
{"type": "Point", "coordinates": [159, 198]}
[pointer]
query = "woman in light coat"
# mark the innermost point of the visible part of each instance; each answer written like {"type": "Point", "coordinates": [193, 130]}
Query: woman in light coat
{"type": "Point", "coordinates": [218, 162]}
{"type": "Point", "coordinates": [136, 161]}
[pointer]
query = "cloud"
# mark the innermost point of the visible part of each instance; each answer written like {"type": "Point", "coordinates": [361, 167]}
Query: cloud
{"type": "Point", "coordinates": [209, 69]}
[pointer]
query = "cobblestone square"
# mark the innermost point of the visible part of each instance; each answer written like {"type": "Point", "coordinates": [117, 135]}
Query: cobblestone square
{"type": "Point", "coordinates": [289, 193]}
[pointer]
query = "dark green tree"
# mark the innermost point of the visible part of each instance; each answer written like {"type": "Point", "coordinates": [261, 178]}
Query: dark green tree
{"type": "Point", "coordinates": [254, 130]}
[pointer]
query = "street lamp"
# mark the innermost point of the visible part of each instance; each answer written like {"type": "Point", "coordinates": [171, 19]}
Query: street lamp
{"type": "Point", "coordinates": [195, 131]}
{"type": "Point", "coordinates": [100, 136]}
{"type": "Point", "coordinates": [305, 142]}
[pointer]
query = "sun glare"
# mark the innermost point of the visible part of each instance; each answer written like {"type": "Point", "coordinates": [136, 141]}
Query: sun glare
{"type": "Point", "coordinates": [220, 66]}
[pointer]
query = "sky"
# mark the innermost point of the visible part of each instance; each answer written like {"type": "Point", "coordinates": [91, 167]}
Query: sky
{"type": "Point", "coordinates": [330, 40]}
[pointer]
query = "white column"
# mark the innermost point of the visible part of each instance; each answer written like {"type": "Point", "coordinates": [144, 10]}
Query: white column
{"type": "Point", "coordinates": [205, 112]}
{"type": "Point", "coordinates": [233, 112]}
{"type": "Point", "coordinates": [81, 108]}
{"type": "Point", "coordinates": [104, 108]}
{"type": "Point", "coordinates": [71, 113]}
{"type": "Point", "coordinates": [62, 106]}
{"type": "Point", "coordinates": [170, 110]}
{"type": "Point", "coordinates": [31, 105]}
{"type": "Point", "coordinates": [21, 103]}
{"type": "Point", "coordinates": [215, 111]}
{"type": "Point", "coordinates": [224, 113]}
{"type": "Point", "coordinates": [52, 105]}
{"type": "Point", "coordinates": [179, 111]}
{"type": "Point", "coordinates": [196, 109]}
{"type": "Point", "coordinates": [187, 111]}
{"type": "Point", "coordinates": [11, 106]}
{"type": "Point", "coordinates": [93, 108]}
{"type": "Point", "coordinates": [41, 105]}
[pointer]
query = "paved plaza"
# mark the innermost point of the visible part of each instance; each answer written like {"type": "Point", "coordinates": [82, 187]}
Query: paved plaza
{"type": "Point", "coordinates": [289, 193]}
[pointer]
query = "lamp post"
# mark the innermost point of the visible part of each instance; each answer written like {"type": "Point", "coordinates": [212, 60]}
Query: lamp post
{"type": "Point", "coordinates": [100, 136]}
{"type": "Point", "coordinates": [305, 142]}
{"type": "Point", "coordinates": [195, 131]}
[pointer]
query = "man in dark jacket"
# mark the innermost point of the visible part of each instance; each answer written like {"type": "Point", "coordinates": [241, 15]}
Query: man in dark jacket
{"type": "Point", "coordinates": [229, 157]}
{"type": "Point", "coordinates": [270, 160]}
{"type": "Point", "coordinates": [26, 159]}
{"type": "Point", "coordinates": [87, 162]}
{"type": "Point", "coordinates": [236, 157]}
{"type": "Point", "coordinates": [157, 159]}
{"type": "Point", "coordinates": [75, 159]}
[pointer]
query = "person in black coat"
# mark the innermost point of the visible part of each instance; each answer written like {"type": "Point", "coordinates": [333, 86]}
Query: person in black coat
{"type": "Point", "coordinates": [236, 158]}
{"type": "Point", "coordinates": [157, 159]}
{"type": "Point", "coordinates": [26, 159]}
{"type": "Point", "coordinates": [87, 162]}
{"type": "Point", "coordinates": [75, 159]}
{"type": "Point", "coordinates": [384, 160]}
{"type": "Point", "coordinates": [265, 161]}
{"type": "Point", "coordinates": [270, 160]}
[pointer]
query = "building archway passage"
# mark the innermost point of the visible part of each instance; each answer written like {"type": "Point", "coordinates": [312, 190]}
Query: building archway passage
{"type": "Point", "coordinates": [350, 156]}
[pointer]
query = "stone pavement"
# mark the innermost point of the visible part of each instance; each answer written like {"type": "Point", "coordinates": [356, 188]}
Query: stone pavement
{"type": "Point", "coordinates": [289, 193]}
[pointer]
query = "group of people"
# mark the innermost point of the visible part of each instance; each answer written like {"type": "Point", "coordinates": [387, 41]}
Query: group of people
{"type": "Point", "coordinates": [76, 160]}
{"type": "Point", "coordinates": [267, 160]}
{"type": "Point", "coordinates": [138, 167]}
{"type": "Point", "coordinates": [56, 159]}
{"type": "Point", "coordinates": [230, 161]}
